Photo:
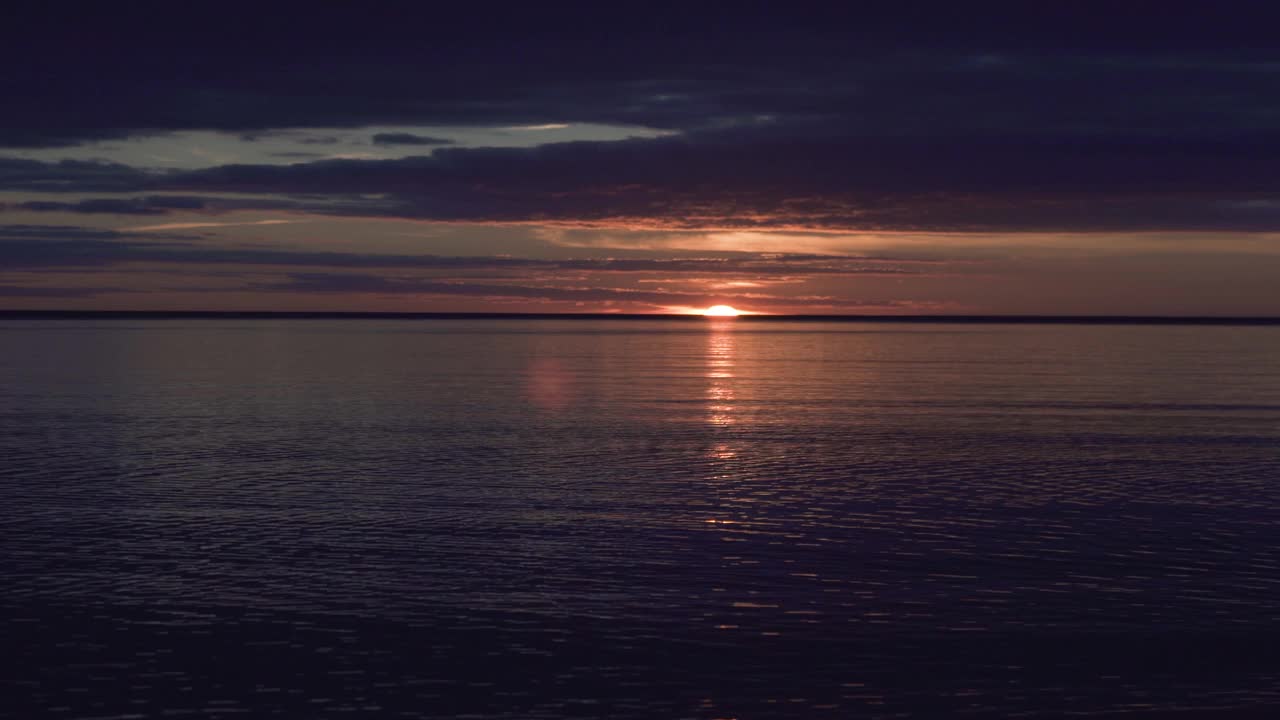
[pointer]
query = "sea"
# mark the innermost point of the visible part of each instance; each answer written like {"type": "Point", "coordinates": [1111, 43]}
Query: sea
{"type": "Point", "coordinates": [659, 518]}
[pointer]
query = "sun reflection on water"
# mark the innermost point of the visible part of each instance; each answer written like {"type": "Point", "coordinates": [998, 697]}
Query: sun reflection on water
{"type": "Point", "coordinates": [721, 350]}
{"type": "Point", "coordinates": [724, 452]}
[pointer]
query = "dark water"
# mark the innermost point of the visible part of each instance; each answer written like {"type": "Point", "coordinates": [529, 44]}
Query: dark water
{"type": "Point", "coordinates": [544, 519]}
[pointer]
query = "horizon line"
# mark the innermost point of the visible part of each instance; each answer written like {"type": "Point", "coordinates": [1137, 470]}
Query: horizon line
{"type": "Point", "coordinates": [381, 315]}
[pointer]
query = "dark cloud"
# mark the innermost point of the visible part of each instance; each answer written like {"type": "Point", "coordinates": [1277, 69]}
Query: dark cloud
{"type": "Point", "coordinates": [408, 139]}
{"type": "Point", "coordinates": [119, 207]}
{"type": "Point", "coordinates": [33, 137]}
{"type": "Point", "coordinates": [764, 178]}
{"type": "Point", "coordinates": [35, 246]}
{"type": "Point", "coordinates": [162, 204]}
{"type": "Point", "coordinates": [157, 205]}
{"type": "Point", "coordinates": [31, 247]}
{"type": "Point", "coordinates": [71, 176]}
{"type": "Point", "coordinates": [94, 74]}
{"type": "Point", "coordinates": [175, 202]}
{"type": "Point", "coordinates": [56, 232]}
{"type": "Point", "coordinates": [290, 135]}
{"type": "Point", "coordinates": [22, 291]}
{"type": "Point", "coordinates": [760, 177]}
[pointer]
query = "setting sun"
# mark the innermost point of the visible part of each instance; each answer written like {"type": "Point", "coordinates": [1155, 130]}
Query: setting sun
{"type": "Point", "coordinates": [721, 311]}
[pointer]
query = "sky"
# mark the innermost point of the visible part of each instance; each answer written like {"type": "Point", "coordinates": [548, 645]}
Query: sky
{"type": "Point", "coordinates": [1083, 160]}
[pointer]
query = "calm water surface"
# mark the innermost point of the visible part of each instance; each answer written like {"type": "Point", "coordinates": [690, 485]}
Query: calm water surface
{"type": "Point", "coordinates": [638, 519]}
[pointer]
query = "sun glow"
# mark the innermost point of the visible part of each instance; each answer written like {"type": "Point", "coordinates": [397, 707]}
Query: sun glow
{"type": "Point", "coordinates": [721, 311]}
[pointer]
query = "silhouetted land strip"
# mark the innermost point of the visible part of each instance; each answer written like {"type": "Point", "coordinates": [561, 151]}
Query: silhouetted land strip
{"type": "Point", "coordinates": [949, 319]}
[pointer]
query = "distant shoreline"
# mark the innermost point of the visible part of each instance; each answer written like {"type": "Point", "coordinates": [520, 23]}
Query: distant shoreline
{"type": "Point", "coordinates": [941, 319]}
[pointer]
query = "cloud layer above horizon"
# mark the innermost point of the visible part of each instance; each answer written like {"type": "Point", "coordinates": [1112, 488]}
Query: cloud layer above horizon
{"type": "Point", "coordinates": [857, 162]}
